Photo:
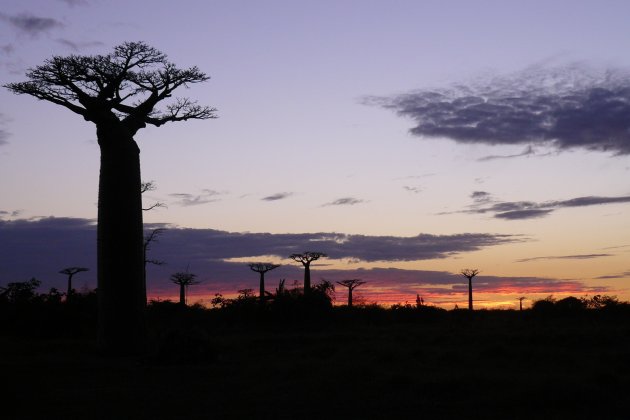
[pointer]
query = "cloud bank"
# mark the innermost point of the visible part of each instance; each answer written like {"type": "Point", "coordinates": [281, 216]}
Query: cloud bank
{"type": "Point", "coordinates": [41, 247]}
{"type": "Point", "coordinates": [564, 107]}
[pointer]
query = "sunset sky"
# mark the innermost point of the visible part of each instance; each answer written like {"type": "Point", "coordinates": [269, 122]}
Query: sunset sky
{"type": "Point", "coordinates": [406, 139]}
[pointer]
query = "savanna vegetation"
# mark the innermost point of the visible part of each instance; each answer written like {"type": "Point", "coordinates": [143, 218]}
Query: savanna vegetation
{"type": "Point", "coordinates": [298, 356]}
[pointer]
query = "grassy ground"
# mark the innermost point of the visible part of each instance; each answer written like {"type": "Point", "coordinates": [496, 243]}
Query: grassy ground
{"type": "Point", "coordinates": [493, 365]}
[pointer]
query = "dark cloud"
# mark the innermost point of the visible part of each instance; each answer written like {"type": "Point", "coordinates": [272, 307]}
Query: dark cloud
{"type": "Point", "coordinates": [277, 196]}
{"type": "Point", "coordinates": [77, 46]}
{"type": "Point", "coordinates": [187, 200]}
{"type": "Point", "coordinates": [480, 196]}
{"type": "Point", "coordinates": [41, 247]}
{"type": "Point", "coordinates": [513, 210]}
{"type": "Point", "coordinates": [345, 201]}
{"type": "Point", "coordinates": [566, 257]}
{"type": "Point", "coordinates": [565, 108]}
{"type": "Point", "coordinates": [31, 24]}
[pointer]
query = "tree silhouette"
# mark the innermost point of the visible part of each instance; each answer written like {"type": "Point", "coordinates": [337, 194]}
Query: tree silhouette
{"type": "Point", "coordinates": [306, 258]}
{"type": "Point", "coordinates": [470, 273]}
{"type": "Point", "coordinates": [119, 93]}
{"type": "Point", "coordinates": [146, 187]}
{"type": "Point", "coordinates": [184, 279]}
{"type": "Point", "coordinates": [148, 239]}
{"type": "Point", "coordinates": [262, 268]}
{"type": "Point", "coordinates": [351, 284]}
{"type": "Point", "coordinates": [70, 272]}
{"type": "Point", "coordinates": [520, 302]}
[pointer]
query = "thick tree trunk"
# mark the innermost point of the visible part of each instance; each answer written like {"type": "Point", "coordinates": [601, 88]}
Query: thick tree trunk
{"type": "Point", "coordinates": [262, 287]}
{"type": "Point", "coordinates": [349, 297]}
{"type": "Point", "coordinates": [121, 294]}
{"type": "Point", "coordinates": [182, 295]}
{"type": "Point", "coordinates": [69, 292]}
{"type": "Point", "coordinates": [470, 300]}
{"type": "Point", "coordinates": [307, 278]}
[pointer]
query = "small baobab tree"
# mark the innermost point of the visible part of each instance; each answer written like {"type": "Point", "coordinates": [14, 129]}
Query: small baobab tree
{"type": "Point", "coordinates": [470, 273]}
{"type": "Point", "coordinates": [184, 279]}
{"type": "Point", "coordinates": [262, 268]}
{"type": "Point", "coordinates": [120, 93]}
{"type": "Point", "coordinates": [520, 302]}
{"type": "Point", "coordinates": [306, 258]}
{"type": "Point", "coordinates": [150, 238]}
{"type": "Point", "coordinates": [351, 284]}
{"type": "Point", "coordinates": [70, 272]}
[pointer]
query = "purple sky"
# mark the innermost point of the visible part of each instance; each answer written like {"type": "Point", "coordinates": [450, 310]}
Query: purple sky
{"type": "Point", "coordinates": [411, 139]}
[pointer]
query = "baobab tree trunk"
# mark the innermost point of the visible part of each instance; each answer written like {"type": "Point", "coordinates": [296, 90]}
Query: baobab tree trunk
{"type": "Point", "coordinates": [182, 294]}
{"type": "Point", "coordinates": [307, 278]}
{"type": "Point", "coordinates": [470, 300]}
{"type": "Point", "coordinates": [262, 286]}
{"type": "Point", "coordinates": [69, 288]}
{"type": "Point", "coordinates": [121, 295]}
{"type": "Point", "coordinates": [349, 297]}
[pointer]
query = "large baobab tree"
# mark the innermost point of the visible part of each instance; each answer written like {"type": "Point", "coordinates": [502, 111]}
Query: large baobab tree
{"type": "Point", "coordinates": [306, 258]}
{"type": "Point", "coordinates": [120, 93]}
{"type": "Point", "coordinates": [351, 284]}
{"type": "Point", "coordinates": [470, 273]}
{"type": "Point", "coordinates": [184, 279]}
{"type": "Point", "coordinates": [70, 272]}
{"type": "Point", "coordinates": [262, 268]}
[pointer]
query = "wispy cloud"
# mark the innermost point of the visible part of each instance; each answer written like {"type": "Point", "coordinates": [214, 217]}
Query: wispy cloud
{"type": "Point", "coordinates": [30, 24]}
{"type": "Point", "coordinates": [566, 257]}
{"type": "Point", "coordinates": [73, 3]}
{"type": "Point", "coordinates": [623, 275]}
{"type": "Point", "coordinates": [412, 189]}
{"type": "Point", "coordinates": [77, 46]}
{"type": "Point", "coordinates": [345, 201]}
{"type": "Point", "coordinates": [529, 151]}
{"type": "Point", "coordinates": [518, 210]}
{"type": "Point", "coordinates": [277, 196]}
{"type": "Point", "coordinates": [567, 107]}
{"type": "Point", "coordinates": [186, 199]}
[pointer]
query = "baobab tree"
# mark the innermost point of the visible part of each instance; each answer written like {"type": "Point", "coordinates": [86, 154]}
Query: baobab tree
{"type": "Point", "coordinates": [306, 258]}
{"type": "Point", "coordinates": [262, 268]}
{"type": "Point", "coordinates": [148, 240]}
{"type": "Point", "coordinates": [520, 302]}
{"type": "Point", "coordinates": [119, 93]}
{"type": "Point", "coordinates": [184, 279]}
{"type": "Point", "coordinates": [470, 273]}
{"type": "Point", "coordinates": [351, 284]}
{"type": "Point", "coordinates": [70, 272]}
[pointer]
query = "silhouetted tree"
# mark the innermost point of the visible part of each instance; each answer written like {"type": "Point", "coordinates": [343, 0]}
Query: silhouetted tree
{"type": "Point", "coordinates": [183, 279]}
{"type": "Point", "coordinates": [351, 284]}
{"type": "Point", "coordinates": [306, 258]}
{"type": "Point", "coordinates": [119, 93]}
{"type": "Point", "coordinates": [148, 239]}
{"type": "Point", "coordinates": [470, 273]}
{"type": "Point", "coordinates": [146, 187]}
{"type": "Point", "coordinates": [20, 292]}
{"type": "Point", "coordinates": [520, 302]}
{"type": "Point", "coordinates": [419, 300]}
{"type": "Point", "coordinates": [70, 272]}
{"type": "Point", "coordinates": [262, 268]}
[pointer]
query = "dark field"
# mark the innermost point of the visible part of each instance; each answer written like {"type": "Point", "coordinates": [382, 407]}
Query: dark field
{"type": "Point", "coordinates": [346, 364]}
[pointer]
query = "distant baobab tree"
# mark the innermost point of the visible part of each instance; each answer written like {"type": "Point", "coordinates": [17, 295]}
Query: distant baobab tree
{"type": "Point", "coordinates": [184, 279]}
{"type": "Point", "coordinates": [351, 284]}
{"type": "Point", "coordinates": [70, 272]}
{"type": "Point", "coordinates": [520, 302]}
{"type": "Point", "coordinates": [306, 258]}
{"type": "Point", "coordinates": [470, 273]}
{"type": "Point", "coordinates": [262, 268]}
{"type": "Point", "coordinates": [119, 93]}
